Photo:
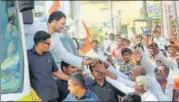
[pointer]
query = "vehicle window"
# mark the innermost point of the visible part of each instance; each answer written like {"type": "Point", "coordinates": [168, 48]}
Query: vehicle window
{"type": "Point", "coordinates": [11, 51]}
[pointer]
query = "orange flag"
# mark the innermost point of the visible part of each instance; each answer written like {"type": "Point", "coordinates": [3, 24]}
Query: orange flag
{"type": "Point", "coordinates": [54, 7]}
{"type": "Point", "coordinates": [87, 45]}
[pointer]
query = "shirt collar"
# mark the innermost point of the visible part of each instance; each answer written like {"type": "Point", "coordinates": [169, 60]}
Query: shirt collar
{"type": "Point", "coordinates": [87, 94]}
{"type": "Point", "coordinates": [94, 83]}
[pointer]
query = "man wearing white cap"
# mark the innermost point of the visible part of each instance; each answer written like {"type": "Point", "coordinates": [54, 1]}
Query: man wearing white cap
{"type": "Point", "coordinates": [142, 87]}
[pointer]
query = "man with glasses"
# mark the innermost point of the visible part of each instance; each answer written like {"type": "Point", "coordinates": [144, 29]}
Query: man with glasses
{"type": "Point", "coordinates": [42, 68]}
{"type": "Point", "coordinates": [160, 78]}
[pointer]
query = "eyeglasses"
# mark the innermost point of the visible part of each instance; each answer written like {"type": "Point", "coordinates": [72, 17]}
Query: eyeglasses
{"type": "Point", "coordinates": [47, 43]}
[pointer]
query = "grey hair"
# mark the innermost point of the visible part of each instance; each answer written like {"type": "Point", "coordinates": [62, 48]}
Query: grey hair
{"type": "Point", "coordinates": [78, 78]}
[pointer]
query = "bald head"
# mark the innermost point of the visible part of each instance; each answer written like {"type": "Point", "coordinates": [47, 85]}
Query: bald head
{"type": "Point", "coordinates": [138, 71]}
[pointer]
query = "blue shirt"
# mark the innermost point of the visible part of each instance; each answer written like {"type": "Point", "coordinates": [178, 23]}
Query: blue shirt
{"type": "Point", "coordinates": [88, 96]}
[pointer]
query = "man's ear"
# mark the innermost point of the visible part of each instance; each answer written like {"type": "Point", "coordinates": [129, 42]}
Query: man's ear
{"type": "Point", "coordinates": [54, 22]}
{"type": "Point", "coordinates": [65, 68]}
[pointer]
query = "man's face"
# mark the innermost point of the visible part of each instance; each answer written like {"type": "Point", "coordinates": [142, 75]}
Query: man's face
{"type": "Point", "coordinates": [137, 56]}
{"type": "Point", "coordinates": [119, 42]}
{"type": "Point", "coordinates": [145, 40]}
{"type": "Point", "coordinates": [70, 70]}
{"type": "Point", "coordinates": [60, 25]}
{"type": "Point", "coordinates": [160, 73]}
{"type": "Point", "coordinates": [45, 45]}
{"type": "Point", "coordinates": [98, 75]}
{"type": "Point", "coordinates": [73, 87]}
{"type": "Point", "coordinates": [126, 44]}
{"type": "Point", "coordinates": [95, 45]}
{"type": "Point", "coordinates": [172, 51]}
{"type": "Point", "coordinates": [157, 34]}
{"type": "Point", "coordinates": [126, 56]}
{"type": "Point", "coordinates": [135, 73]}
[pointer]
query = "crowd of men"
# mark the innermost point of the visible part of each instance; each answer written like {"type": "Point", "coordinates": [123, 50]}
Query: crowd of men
{"type": "Point", "coordinates": [146, 69]}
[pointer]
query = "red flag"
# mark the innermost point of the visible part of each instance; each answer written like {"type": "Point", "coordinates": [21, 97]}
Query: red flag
{"type": "Point", "coordinates": [87, 45]}
{"type": "Point", "coordinates": [54, 7]}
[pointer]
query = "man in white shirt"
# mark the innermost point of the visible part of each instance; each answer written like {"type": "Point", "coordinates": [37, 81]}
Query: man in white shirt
{"type": "Point", "coordinates": [142, 87]}
{"type": "Point", "coordinates": [55, 25]}
{"type": "Point", "coordinates": [161, 81]}
{"type": "Point", "coordinates": [107, 43]}
{"type": "Point", "coordinates": [158, 39]}
{"type": "Point", "coordinates": [95, 52]}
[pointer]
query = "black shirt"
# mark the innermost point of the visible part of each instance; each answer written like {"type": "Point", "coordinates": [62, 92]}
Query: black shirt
{"type": "Point", "coordinates": [41, 68]}
{"type": "Point", "coordinates": [106, 92]}
{"type": "Point", "coordinates": [62, 89]}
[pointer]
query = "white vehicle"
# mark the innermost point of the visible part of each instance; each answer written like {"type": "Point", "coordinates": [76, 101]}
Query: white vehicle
{"type": "Point", "coordinates": [15, 84]}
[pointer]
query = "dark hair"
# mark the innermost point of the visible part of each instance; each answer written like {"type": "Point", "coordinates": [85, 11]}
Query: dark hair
{"type": "Point", "coordinates": [56, 15]}
{"type": "Point", "coordinates": [126, 40]}
{"type": "Point", "coordinates": [91, 68]}
{"type": "Point", "coordinates": [94, 41]}
{"type": "Point", "coordinates": [64, 64]}
{"type": "Point", "coordinates": [132, 97]}
{"type": "Point", "coordinates": [78, 78]}
{"type": "Point", "coordinates": [126, 50]}
{"type": "Point", "coordinates": [166, 69]}
{"type": "Point", "coordinates": [156, 28]}
{"type": "Point", "coordinates": [41, 36]}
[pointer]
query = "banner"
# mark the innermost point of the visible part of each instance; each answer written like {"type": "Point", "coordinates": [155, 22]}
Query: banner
{"type": "Point", "coordinates": [154, 9]}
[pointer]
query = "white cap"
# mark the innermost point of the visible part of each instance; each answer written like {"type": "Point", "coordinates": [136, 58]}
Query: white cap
{"type": "Point", "coordinates": [144, 81]}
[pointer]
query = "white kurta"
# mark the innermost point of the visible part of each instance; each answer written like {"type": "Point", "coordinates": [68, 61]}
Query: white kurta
{"type": "Point", "coordinates": [148, 96]}
{"type": "Point", "coordinates": [156, 88]}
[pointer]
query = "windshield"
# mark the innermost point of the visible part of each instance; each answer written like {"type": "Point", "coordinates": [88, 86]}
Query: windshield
{"type": "Point", "coordinates": [11, 51]}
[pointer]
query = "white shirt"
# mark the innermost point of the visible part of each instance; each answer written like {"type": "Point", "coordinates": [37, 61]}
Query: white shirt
{"type": "Point", "coordinates": [158, 92]}
{"type": "Point", "coordinates": [57, 49]}
{"type": "Point", "coordinates": [122, 78]}
{"type": "Point", "coordinates": [170, 63]}
{"type": "Point", "coordinates": [148, 96]}
{"type": "Point", "coordinates": [107, 43]}
{"type": "Point", "coordinates": [96, 54]}
{"type": "Point", "coordinates": [60, 53]}
{"type": "Point", "coordinates": [161, 42]}
{"type": "Point", "coordinates": [156, 88]}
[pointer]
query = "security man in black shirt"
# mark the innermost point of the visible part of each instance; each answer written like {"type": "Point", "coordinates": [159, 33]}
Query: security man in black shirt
{"type": "Point", "coordinates": [42, 68]}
